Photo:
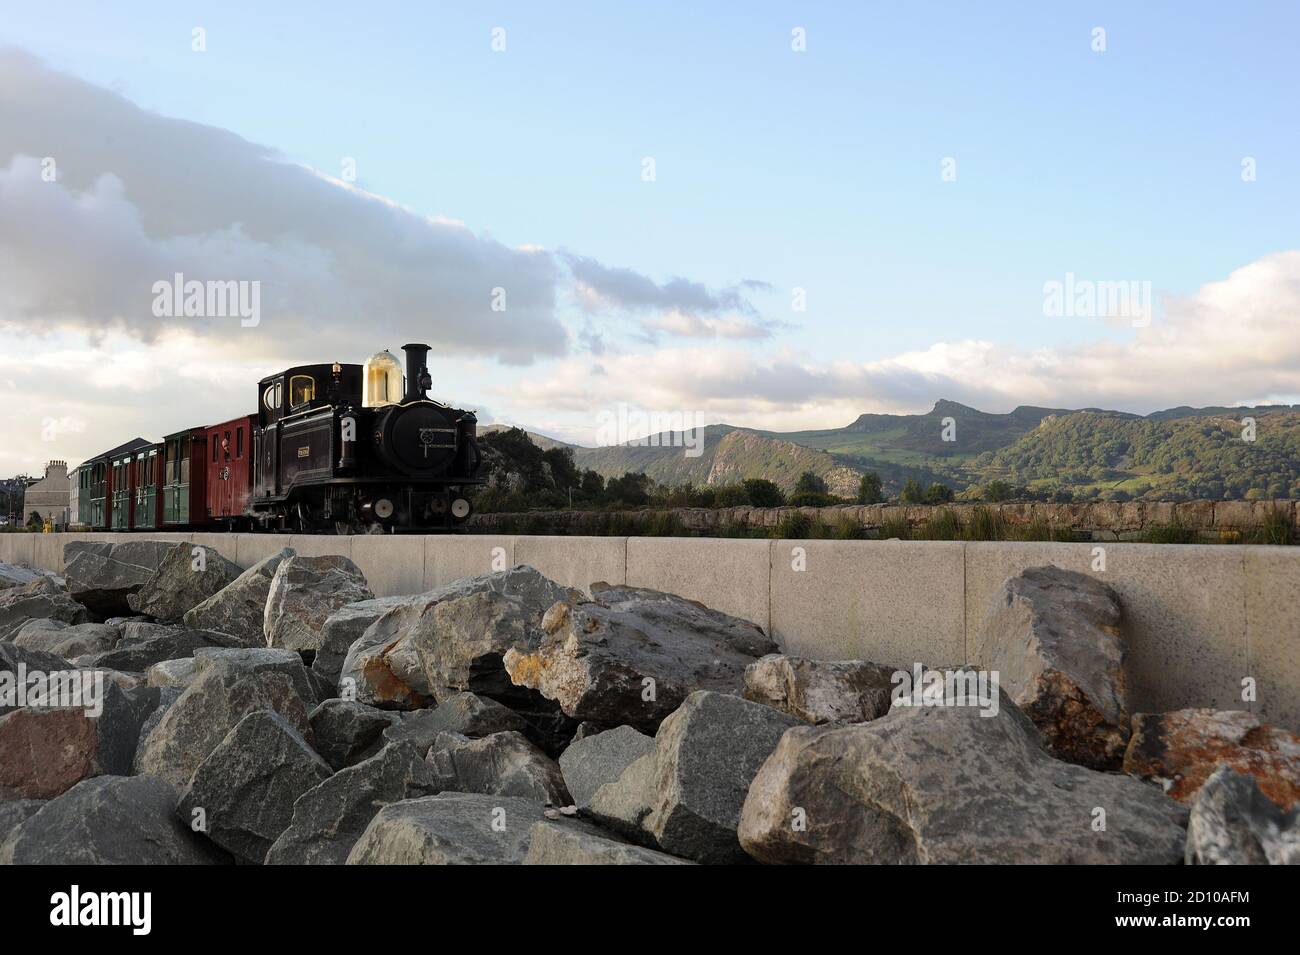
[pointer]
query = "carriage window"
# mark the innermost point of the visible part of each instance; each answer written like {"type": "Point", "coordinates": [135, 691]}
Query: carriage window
{"type": "Point", "coordinates": [302, 389]}
{"type": "Point", "coordinates": [214, 449]}
{"type": "Point", "coordinates": [225, 446]}
{"type": "Point", "coordinates": [239, 442]}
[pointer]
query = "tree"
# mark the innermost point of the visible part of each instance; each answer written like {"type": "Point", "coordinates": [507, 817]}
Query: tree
{"type": "Point", "coordinates": [809, 483]}
{"type": "Point", "coordinates": [912, 492]}
{"type": "Point", "coordinates": [938, 493]}
{"type": "Point", "coordinates": [632, 488]}
{"type": "Point", "coordinates": [869, 491]}
{"type": "Point", "coordinates": [763, 493]}
{"type": "Point", "coordinates": [593, 484]}
{"type": "Point", "coordinates": [996, 491]}
{"type": "Point", "coordinates": [35, 521]}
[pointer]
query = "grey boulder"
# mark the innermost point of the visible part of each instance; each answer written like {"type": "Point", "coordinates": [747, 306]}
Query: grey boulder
{"type": "Point", "coordinates": [16, 811]}
{"type": "Point", "coordinates": [192, 727]}
{"type": "Point", "coordinates": [705, 756]}
{"type": "Point", "coordinates": [259, 660]}
{"type": "Point", "coordinates": [178, 673]}
{"type": "Point", "coordinates": [820, 691]}
{"type": "Point", "coordinates": [343, 628]}
{"type": "Point", "coordinates": [102, 575]}
{"type": "Point", "coordinates": [451, 640]}
{"type": "Point", "coordinates": [186, 576]}
{"type": "Point", "coordinates": [504, 764]}
{"type": "Point", "coordinates": [1234, 823]}
{"type": "Point", "coordinates": [949, 784]}
{"type": "Point", "coordinates": [239, 608]}
{"type": "Point", "coordinates": [347, 732]}
{"type": "Point", "coordinates": [64, 640]}
{"type": "Point", "coordinates": [1054, 637]}
{"type": "Point", "coordinates": [329, 819]}
{"type": "Point", "coordinates": [242, 795]}
{"type": "Point", "coordinates": [304, 592]}
{"type": "Point", "coordinates": [174, 644]}
{"type": "Point", "coordinates": [449, 829]}
{"type": "Point", "coordinates": [40, 599]}
{"type": "Point", "coordinates": [593, 761]}
{"type": "Point", "coordinates": [632, 655]}
{"type": "Point", "coordinates": [465, 713]}
{"type": "Point", "coordinates": [573, 842]}
{"type": "Point", "coordinates": [109, 820]}
{"type": "Point", "coordinates": [16, 660]}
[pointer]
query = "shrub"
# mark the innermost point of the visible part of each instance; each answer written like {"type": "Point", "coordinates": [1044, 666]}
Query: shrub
{"type": "Point", "coordinates": [763, 493]}
{"type": "Point", "coordinates": [869, 489]}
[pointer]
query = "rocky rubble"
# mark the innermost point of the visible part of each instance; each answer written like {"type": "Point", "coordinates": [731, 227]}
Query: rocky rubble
{"type": "Point", "coordinates": [946, 784]}
{"type": "Point", "coordinates": [632, 656]}
{"type": "Point", "coordinates": [303, 594]}
{"type": "Point", "coordinates": [239, 608]}
{"type": "Point", "coordinates": [1054, 637]}
{"type": "Point", "coordinates": [1181, 750]}
{"type": "Point", "coordinates": [288, 716]}
{"type": "Point", "coordinates": [185, 578]}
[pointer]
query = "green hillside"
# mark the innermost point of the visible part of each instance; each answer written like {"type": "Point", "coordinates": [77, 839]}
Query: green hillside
{"type": "Point", "coordinates": [1196, 456]}
{"type": "Point", "coordinates": [1180, 453]}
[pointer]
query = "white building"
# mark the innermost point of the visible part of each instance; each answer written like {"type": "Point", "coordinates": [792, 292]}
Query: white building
{"type": "Point", "coordinates": [49, 496]}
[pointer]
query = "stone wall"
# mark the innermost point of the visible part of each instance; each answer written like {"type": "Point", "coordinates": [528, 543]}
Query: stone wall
{"type": "Point", "coordinates": [1201, 619]}
{"type": "Point", "coordinates": [1099, 520]}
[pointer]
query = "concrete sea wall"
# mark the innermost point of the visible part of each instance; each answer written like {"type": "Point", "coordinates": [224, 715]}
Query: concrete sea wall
{"type": "Point", "coordinates": [1201, 620]}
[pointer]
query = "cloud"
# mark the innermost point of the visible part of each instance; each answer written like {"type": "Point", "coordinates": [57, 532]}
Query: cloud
{"type": "Point", "coordinates": [1234, 341]}
{"type": "Point", "coordinates": [682, 307]}
{"type": "Point", "coordinates": [138, 197]}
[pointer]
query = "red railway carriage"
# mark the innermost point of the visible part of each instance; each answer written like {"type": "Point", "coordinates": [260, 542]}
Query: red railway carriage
{"type": "Point", "coordinates": [229, 463]}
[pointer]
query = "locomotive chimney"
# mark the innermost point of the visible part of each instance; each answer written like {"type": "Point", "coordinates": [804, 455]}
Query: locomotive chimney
{"type": "Point", "coordinates": [417, 372]}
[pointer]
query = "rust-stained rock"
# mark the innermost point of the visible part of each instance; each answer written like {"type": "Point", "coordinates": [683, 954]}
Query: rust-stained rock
{"type": "Point", "coordinates": [1053, 637]}
{"type": "Point", "coordinates": [1181, 750]}
{"type": "Point", "coordinates": [820, 691]}
{"type": "Point", "coordinates": [451, 640]}
{"type": "Point", "coordinates": [44, 751]}
{"type": "Point", "coordinates": [632, 655]}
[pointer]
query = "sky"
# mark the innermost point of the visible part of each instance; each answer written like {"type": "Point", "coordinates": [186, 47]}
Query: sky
{"type": "Point", "coordinates": [773, 215]}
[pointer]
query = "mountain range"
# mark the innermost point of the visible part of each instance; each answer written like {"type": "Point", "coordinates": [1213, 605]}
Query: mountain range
{"type": "Point", "coordinates": [1180, 452]}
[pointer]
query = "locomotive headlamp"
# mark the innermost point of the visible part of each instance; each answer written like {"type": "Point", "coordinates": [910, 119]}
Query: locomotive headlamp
{"type": "Point", "coordinates": [383, 508]}
{"type": "Point", "coordinates": [460, 508]}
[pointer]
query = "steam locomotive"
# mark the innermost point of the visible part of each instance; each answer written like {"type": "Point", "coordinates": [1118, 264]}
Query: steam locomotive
{"type": "Point", "coordinates": [332, 448]}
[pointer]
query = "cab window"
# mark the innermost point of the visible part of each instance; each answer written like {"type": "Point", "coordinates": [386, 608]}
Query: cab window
{"type": "Point", "coordinates": [271, 397]}
{"type": "Point", "coordinates": [302, 389]}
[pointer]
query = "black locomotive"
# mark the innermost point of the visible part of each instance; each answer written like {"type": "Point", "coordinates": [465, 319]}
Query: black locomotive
{"type": "Point", "coordinates": [350, 449]}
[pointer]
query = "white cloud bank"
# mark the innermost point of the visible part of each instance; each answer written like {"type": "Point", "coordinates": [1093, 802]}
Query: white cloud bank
{"type": "Point", "coordinates": [1235, 341]}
